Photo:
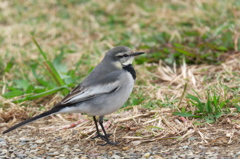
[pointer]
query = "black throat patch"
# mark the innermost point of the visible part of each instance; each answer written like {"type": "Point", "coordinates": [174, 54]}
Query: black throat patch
{"type": "Point", "coordinates": [131, 70]}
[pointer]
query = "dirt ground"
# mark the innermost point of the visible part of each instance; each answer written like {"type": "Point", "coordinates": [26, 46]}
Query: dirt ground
{"type": "Point", "coordinates": [49, 138]}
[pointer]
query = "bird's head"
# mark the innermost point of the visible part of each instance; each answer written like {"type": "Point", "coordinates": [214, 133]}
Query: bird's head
{"type": "Point", "coordinates": [121, 56]}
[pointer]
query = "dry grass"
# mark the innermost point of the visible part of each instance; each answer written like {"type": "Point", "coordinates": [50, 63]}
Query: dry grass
{"type": "Point", "coordinates": [198, 77]}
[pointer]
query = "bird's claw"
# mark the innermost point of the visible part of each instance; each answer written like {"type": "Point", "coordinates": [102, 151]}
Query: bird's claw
{"type": "Point", "coordinates": [103, 137]}
{"type": "Point", "coordinates": [110, 143]}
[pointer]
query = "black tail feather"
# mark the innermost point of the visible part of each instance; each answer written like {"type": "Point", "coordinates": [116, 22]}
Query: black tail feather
{"type": "Point", "coordinates": [45, 114]}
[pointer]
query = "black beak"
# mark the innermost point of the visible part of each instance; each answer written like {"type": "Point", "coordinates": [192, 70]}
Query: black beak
{"type": "Point", "coordinates": [137, 53]}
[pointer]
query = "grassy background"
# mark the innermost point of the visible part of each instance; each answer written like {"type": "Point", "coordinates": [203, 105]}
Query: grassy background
{"type": "Point", "coordinates": [74, 36]}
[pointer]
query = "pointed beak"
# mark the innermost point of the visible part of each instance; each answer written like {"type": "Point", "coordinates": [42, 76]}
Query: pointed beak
{"type": "Point", "coordinates": [137, 53]}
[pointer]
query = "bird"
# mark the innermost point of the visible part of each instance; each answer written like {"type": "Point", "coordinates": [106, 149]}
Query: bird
{"type": "Point", "coordinates": [102, 92]}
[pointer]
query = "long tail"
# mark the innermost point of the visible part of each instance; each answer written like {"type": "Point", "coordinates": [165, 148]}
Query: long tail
{"type": "Point", "coordinates": [54, 110]}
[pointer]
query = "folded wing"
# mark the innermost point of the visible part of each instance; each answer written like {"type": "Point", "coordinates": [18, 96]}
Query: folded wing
{"type": "Point", "coordinates": [81, 93]}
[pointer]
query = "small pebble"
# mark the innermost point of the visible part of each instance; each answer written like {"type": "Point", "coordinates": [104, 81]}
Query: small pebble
{"type": "Point", "coordinates": [22, 143]}
{"type": "Point", "coordinates": [4, 151]}
{"type": "Point", "coordinates": [80, 152]}
{"type": "Point", "coordinates": [208, 153]}
{"type": "Point", "coordinates": [116, 157]}
{"type": "Point", "coordinates": [202, 147]}
{"type": "Point", "coordinates": [40, 141]}
{"type": "Point", "coordinates": [77, 150]}
{"type": "Point", "coordinates": [185, 147]}
{"type": "Point", "coordinates": [135, 143]}
{"type": "Point", "coordinates": [189, 153]}
{"type": "Point", "coordinates": [52, 150]}
{"type": "Point", "coordinates": [2, 139]}
{"type": "Point", "coordinates": [95, 154]}
{"type": "Point", "coordinates": [158, 157]}
{"type": "Point", "coordinates": [3, 143]}
{"type": "Point", "coordinates": [40, 152]}
{"type": "Point", "coordinates": [147, 155]}
{"type": "Point", "coordinates": [53, 154]}
{"type": "Point", "coordinates": [125, 148]}
{"type": "Point", "coordinates": [58, 138]}
{"type": "Point", "coordinates": [33, 151]}
{"type": "Point", "coordinates": [66, 149]}
{"type": "Point", "coordinates": [20, 155]}
{"type": "Point", "coordinates": [137, 155]}
{"type": "Point", "coordinates": [175, 157]}
{"type": "Point", "coordinates": [215, 148]}
{"type": "Point", "coordinates": [13, 155]}
{"type": "Point", "coordinates": [77, 145]}
{"type": "Point", "coordinates": [49, 145]}
{"type": "Point", "coordinates": [192, 138]}
{"type": "Point", "coordinates": [33, 146]}
{"type": "Point", "coordinates": [24, 139]}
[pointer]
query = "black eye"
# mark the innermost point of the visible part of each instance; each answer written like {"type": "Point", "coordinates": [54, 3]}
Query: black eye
{"type": "Point", "coordinates": [121, 56]}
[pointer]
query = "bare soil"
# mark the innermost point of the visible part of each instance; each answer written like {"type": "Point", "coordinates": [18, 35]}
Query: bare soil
{"type": "Point", "coordinates": [49, 138]}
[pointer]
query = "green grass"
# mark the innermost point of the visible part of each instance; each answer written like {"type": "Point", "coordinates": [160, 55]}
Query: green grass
{"type": "Point", "coordinates": [72, 37]}
{"type": "Point", "coordinates": [56, 72]}
{"type": "Point", "coordinates": [213, 108]}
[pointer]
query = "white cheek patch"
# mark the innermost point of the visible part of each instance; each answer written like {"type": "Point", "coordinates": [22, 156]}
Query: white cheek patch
{"type": "Point", "coordinates": [128, 62]}
{"type": "Point", "coordinates": [117, 64]}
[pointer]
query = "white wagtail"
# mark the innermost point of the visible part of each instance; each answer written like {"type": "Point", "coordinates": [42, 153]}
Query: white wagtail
{"type": "Point", "coordinates": [102, 92]}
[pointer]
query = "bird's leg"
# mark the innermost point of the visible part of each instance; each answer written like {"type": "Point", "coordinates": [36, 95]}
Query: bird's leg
{"type": "Point", "coordinates": [100, 120]}
{"type": "Point", "coordinates": [105, 134]}
{"type": "Point", "coordinates": [98, 132]}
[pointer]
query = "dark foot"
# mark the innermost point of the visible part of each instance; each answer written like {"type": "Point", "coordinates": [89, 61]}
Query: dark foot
{"type": "Point", "coordinates": [110, 143]}
{"type": "Point", "coordinates": [103, 137]}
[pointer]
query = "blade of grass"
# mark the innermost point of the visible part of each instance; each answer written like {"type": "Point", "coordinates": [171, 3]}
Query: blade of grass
{"type": "Point", "coordinates": [154, 127]}
{"type": "Point", "coordinates": [50, 68]}
{"type": "Point", "coordinates": [183, 93]}
{"type": "Point", "coordinates": [39, 48]}
{"type": "Point", "coordinates": [35, 96]}
{"type": "Point", "coordinates": [186, 114]}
